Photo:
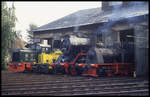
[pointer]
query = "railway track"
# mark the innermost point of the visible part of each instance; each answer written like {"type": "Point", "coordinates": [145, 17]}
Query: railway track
{"type": "Point", "coordinates": [60, 85]}
{"type": "Point", "coordinates": [55, 87]}
{"type": "Point", "coordinates": [18, 85]}
{"type": "Point", "coordinates": [61, 79]}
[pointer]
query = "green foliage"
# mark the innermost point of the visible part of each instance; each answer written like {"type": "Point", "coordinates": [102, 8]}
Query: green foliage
{"type": "Point", "coordinates": [8, 31]}
{"type": "Point", "coordinates": [30, 32]}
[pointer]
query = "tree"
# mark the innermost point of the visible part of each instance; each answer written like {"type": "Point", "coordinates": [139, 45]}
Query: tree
{"type": "Point", "coordinates": [30, 32]}
{"type": "Point", "coordinates": [8, 30]}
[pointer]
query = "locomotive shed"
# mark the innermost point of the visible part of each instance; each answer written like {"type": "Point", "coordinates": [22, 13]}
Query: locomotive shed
{"type": "Point", "coordinates": [15, 83]}
{"type": "Point", "coordinates": [126, 24]}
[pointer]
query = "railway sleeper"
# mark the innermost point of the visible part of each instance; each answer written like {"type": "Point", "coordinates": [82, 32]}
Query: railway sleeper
{"type": "Point", "coordinates": [77, 88]}
{"type": "Point", "coordinates": [82, 92]}
{"type": "Point", "coordinates": [75, 81]}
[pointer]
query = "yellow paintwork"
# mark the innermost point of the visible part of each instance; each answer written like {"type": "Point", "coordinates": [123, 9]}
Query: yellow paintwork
{"type": "Point", "coordinates": [47, 58]}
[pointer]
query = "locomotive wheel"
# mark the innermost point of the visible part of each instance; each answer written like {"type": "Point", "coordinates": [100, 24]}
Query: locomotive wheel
{"type": "Point", "coordinates": [63, 71]}
{"type": "Point", "coordinates": [79, 71]}
{"type": "Point", "coordinates": [70, 70]}
{"type": "Point", "coordinates": [101, 71]}
{"type": "Point", "coordinates": [59, 70]}
{"type": "Point", "coordinates": [26, 69]}
{"type": "Point", "coordinates": [47, 70]}
{"type": "Point", "coordinates": [53, 71]}
{"type": "Point", "coordinates": [37, 69]}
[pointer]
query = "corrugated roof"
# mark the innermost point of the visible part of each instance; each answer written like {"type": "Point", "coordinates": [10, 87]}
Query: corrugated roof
{"type": "Point", "coordinates": [96, 15]}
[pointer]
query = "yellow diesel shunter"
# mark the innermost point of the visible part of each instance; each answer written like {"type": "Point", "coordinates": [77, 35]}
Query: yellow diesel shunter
{"type": "Point", "coordinates": [44, 61]}
{"type": "Point", "coordinates": [44, 58]}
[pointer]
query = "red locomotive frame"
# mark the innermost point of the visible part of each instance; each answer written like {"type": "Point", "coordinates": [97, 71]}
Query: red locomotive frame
{"type": "Point", "coordinates": [111, 69]}
{"type": "Point", "coordinates": [20, 66]}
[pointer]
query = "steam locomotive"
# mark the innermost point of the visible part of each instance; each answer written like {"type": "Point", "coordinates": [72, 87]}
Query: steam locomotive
{"type": "Point", "coordinates": [80, 57]}
{"type": "Point", "coordinates": [99, 60]}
